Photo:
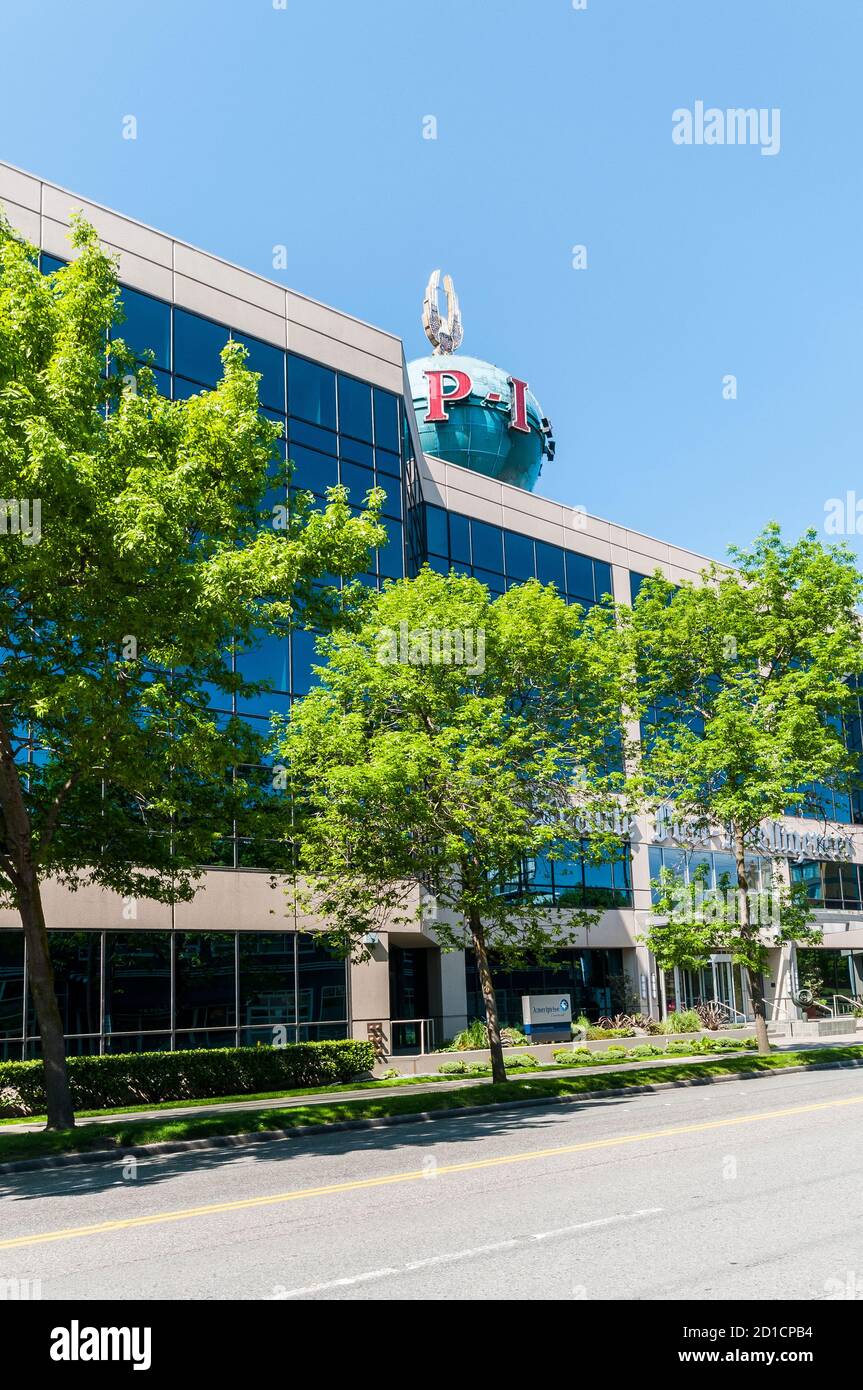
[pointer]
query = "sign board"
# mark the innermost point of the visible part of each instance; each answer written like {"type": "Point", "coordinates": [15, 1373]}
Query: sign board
{"type": "Point", "coordinates": [547, 1016]}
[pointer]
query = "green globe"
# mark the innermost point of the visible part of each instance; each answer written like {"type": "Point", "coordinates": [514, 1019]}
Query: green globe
{"type": "Point", "coordinates": [479, 431]}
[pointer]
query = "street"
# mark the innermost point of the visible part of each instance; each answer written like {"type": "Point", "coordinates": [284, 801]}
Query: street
{"type": "Point", "coordinates": [744, 1190]}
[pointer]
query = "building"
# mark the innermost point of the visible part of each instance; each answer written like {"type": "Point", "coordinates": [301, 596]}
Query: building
{"type": "Point", "coordinates": [216, 970]}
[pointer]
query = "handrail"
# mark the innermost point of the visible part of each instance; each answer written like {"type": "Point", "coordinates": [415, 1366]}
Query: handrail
{"type": "Point", "coordinates": [856, 1002]}
{"type": "Point", "coordinates": [426, 1027]}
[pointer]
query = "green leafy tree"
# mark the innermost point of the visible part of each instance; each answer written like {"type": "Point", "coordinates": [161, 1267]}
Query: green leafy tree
{"type": "Point", "coordinates": [134, 557]}
{"type": "Point", "coordinates": [742, 683]}
{"type": "Point", "coordinates": [425, 783]}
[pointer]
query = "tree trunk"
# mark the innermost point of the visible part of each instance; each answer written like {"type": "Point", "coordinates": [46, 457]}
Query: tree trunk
{"type": "Point", "coordinates": [498, 1070]}
{"type": "Point", "coordinates": [755, 977]}
{"type": "Point", "coordinates": [61, 1114]}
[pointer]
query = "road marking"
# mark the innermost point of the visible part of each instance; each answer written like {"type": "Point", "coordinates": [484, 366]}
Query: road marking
{"type": "Point", "coordinates": [360, 1184]}
{"type": "Point", "coordinates": [281, 1294]}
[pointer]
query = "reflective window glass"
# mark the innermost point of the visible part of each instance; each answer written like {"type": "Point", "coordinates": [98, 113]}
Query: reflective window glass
{"type": "Point", "coordinates": [602, 580]}
{"type": "Point", "coordinates": [388, 463]}
{"type": "Point", "coordinates": [11, 984]}
{"type": "Point", "coordinates": [267, 980]}
{"type": "Point", "coordinates": [487, 544]}
{"type": "Point", "coordinates": [311, 392]}
{"type": "Point", "coordinates": [459, 538]}
{"type": "Point", "coordinates": [357, 480]}
{"type": "Point", "coordinates": [355, 408]}
{"type": "Point", "coordinates": [579, 575]}
{"type": "Point", "coordinates": [436, 532]}
{"type": "Point", "coordinates": [137, 981]}
{"type": "Point", "coordinates": [269, 362]}
{"type": "Point", "coordinates": [205, 996]}
{"type": "Point", "coordinates": [146, 327]}
{"type": "Point", "coordinates": [312, 470]}
{"type": "Point", "coordinates": [77, 961]}
{"type": "Point", "coordinates": [549, 565]}
{"type": "Point", "coordinates": [314, 438]}
{"type": "Point", "coordinates": [321, 991]}
{"type": "Point", "coordinates": [198, 343]}
{"type": "Point", "coordinates": [519, 556]}
{"type": "Point", "coordinates": [303, 655]}
{"type": "Point", "coordinates": [386, 420]}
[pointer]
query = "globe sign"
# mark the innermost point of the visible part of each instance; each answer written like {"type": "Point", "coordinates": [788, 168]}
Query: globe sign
{"type": "Point", "coordinates": [474, 414]}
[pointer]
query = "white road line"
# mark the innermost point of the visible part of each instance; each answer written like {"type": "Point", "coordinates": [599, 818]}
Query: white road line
{"type": "Point", "coordinates": [280, 1294]}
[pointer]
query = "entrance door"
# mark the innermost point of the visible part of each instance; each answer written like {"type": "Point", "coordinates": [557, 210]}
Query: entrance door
{"type": "Point", "coordinates": [723, 982]}
{"type": "Point", "coordinates": [409, 996]}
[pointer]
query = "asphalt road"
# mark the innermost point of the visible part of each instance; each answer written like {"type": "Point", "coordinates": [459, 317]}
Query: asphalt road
{"type": "Point", "coordinates": [749, 1190]}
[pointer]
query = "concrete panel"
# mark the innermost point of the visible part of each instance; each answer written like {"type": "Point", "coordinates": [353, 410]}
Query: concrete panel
{"type": "Point", "coordinates": [55, 239]}
{"type": "Point", "coordinates": [229, 279]}
{"type": "Point", "coordinates": [119, 231]}
{"type": "Point", "coordinates": [224, 308]}
{"type": "Point", "coordinates": [18, 187]}
{"type": "Point", "coordinates": [141, 274]}
{"type": "Point", "coordinates": [24, 220]}
{"type": "Point", "coordinates": [230, 900]}
{"type": "Point", "coordinates": [307, 313]}
{"type": "Point", "coordinates": [96, 907]}
{"type": "Point", "coordinates": [471, 505]}
{"type": "Point", "coordinates": [344, 358]}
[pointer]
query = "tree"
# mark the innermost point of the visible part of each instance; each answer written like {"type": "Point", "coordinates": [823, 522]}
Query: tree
{"type": "Point", "coordinates": [741, 683]}
{"type": "Point", "coordinates": [455, 736]}
{"type": "Point", "coordinates": [135, 556]}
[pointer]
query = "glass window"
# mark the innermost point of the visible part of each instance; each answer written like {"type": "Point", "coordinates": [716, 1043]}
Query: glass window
{"type": "Point", "coordinates": [11, 984]}
{"type": "Point", "coordinates": [314, 438]}
{"type": "Point", "coordinates": [392, 505]}
{"type": "Point", "coordinates": [602, 581]}
{"type": "Point", "coordinates": [635, 582]}
{"type": "Point", "coordinates": [313, 471]}
{"type": "Point", "coordinates": [137, 982]}
{"type": "Point", "coordinates": [48, 264]}
{"type": "Point", "coordinates": [487, 546]}
{"type": "Point", "coordinates": [386, 420]}
{"type": "Point", "coordinates": [579, 575]}
{"type": "Point", "coordinates": [269, 362]}
{"type": "Point", "coordinates": [459, 538]}
{"type": "Point", "coordinates": [436, 536]}
{"type": "Point", "coordinates": [356, 451]}
{"type": "Point", "coordinates": [267, 981]}
{"type": "Point", "coordinates": [519, 556]}
{"type": "Point", "coordinates": [388, 463]}
{"type": "Point", "coordinates": [205, 995]}
{"type": "Point", "coordinates": [198, 344]}
{"type": "Point", "coordinates": [303, 655]}
{"type": "Point", "coordinates": [357, 480]}
{"type": "Point", "coordinates": [184, 389]}
{"type": "Point", "coordinates": [355, 408]}
{"type": "Point", "coordinates": [146, 327]}
{"type": "Point", "coordinates": [390, 556]}
{"type": "Point", "coordinates": [77, 961]}
{"type": "Point", "coordinates": [493, 582]}
{"type": "Point", "coordinates": [311, 392]}
{"type": "Point", "coordinates": [549, 565]}
{"type": "Point", "coordinates": [321, 991]}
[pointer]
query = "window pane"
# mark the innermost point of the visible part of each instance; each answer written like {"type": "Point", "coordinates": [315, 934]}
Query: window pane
{"type": "Point", "coordinates": [579, 575]}
{"type": "Point", "coordinates": [197, 345]}
{"type": "Point", "coordinates": [313, 471]}
{"type": "Point", "coordinates": [321, 992]}
{"type": "Point", "coordinates": [459, 538]}
{"type": "Point", "coordinates": [519, 556]}
{"type": "Point", "coordinates": [602, 579]}
{"type": "Point", "coordinates": [311, 392]}
{"type": "Point", "coordinates": [390, 559]}
{"type": "Point", "coordinates": [392, 506]}
{"type": "Point", "coordinates": [356, 451]}
{"type": "Point", "coordinates": [270, 362]}
{"type": "Point", "coordinates": [11, 984]}
{"type": "Point", "coordinates": [355, 408]}
{"type": "Point", "coordinates": [487, 546]}
{"type": "Point", "coordinates": [386, 420]}
{"type": "Point", "coordinates": [77, 961]}
{"type": "Point", "coordinates": [549, 565]}
{"type": "Point", "coordinates": [388, 463]}
{"type": "Point", "coordinates": [147, 325]}
{"type": "Point", "coordinates": [137, 982]}
{"type": "Point", "coordinates": [436, 536]}
{"type": "Point", "coordinates": [357, 480]}
{"type": "Point", "coordinates": [302, 656]}
{"type": "Point", "coordinates": [267, 985]}
{"type": "Point", "coordinates": [205, 980]}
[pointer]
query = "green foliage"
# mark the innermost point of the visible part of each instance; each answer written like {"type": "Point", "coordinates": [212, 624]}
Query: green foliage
{"type": "Point", "coordinates": [522, 1061]}
{"type": "Point", "coordinates": [681, 1021]}
{"type": "Point", "coordinates": [139, 1078]}
{"type": "Point", "coordinates": [752, 670]}
{"type": "Point", "coordinates": [455, 1068]}
{"type": "Point", "coordinates": [154, 559]}
{"type": "Point", "coordinates": [427, 786]}
{"type": "Point", "coordinates": [474, 1036]}
{"type": "Point", "coordinates": [596, 1034]}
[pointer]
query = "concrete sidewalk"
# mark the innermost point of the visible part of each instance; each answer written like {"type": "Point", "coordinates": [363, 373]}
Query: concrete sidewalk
{"type": "Point", "coordinates": [418, 1088]}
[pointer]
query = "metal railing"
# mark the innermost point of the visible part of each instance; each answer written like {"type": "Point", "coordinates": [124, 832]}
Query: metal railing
{"type": "Point", "coordinates": [854, 1003]}
{"type": "Point", "coordinates": [394, 1034]}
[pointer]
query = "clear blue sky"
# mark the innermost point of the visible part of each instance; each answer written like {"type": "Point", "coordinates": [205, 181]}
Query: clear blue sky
{"type": "Point", "coordinates": [303, 126]}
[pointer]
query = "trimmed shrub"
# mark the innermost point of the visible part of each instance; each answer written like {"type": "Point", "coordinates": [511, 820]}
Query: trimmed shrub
{"type": "Point", "coordinates": [454, 1068]}
{"type": "Point", "coordinates": [521, 1060]}
{"type": "Point", "coordinates": [597, 1034]}
{"type": "Point", "coordinates": [146, 1078]}
{"type": "Point", "coordinates": [513, 1037]}
{"type": "Point", "coordinates": [686, 1021]}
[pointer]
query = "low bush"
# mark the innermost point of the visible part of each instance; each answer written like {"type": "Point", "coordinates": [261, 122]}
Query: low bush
{"type": "Point", "coordinates": [686, 1021]}
{"type": "Point", "coordinates": [521, 1061]}
{"type": "Point", "coordinates": [146, 1078]}
{"type": "Point", "coordinates": [596, 1034]}
{"type": "Point", "coordinates": [454, 1068]}
{"type": "Point", "coordinates": [474, 1036]}
{"type": "Point", "coordinates": [514, 1037]}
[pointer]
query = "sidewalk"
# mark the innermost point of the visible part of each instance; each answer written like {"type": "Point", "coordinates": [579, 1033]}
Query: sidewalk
{"type": "Point", "coordinates": [419, 1088]}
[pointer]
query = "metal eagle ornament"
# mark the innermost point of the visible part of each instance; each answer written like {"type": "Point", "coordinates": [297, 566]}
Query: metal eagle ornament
{"type": "Point", "coordinates": [444, 334]}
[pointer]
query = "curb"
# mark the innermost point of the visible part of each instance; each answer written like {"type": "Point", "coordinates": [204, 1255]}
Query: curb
{"type": "Point", "coordinates": [230, 1141]}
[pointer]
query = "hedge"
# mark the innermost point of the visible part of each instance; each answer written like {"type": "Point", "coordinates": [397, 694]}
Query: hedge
{"type": "Point", "coordinates": [145, 1078]}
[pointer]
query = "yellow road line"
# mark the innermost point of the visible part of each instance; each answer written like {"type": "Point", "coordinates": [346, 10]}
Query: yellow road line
{"type": "Point", "coordinates": [249, 1203]}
